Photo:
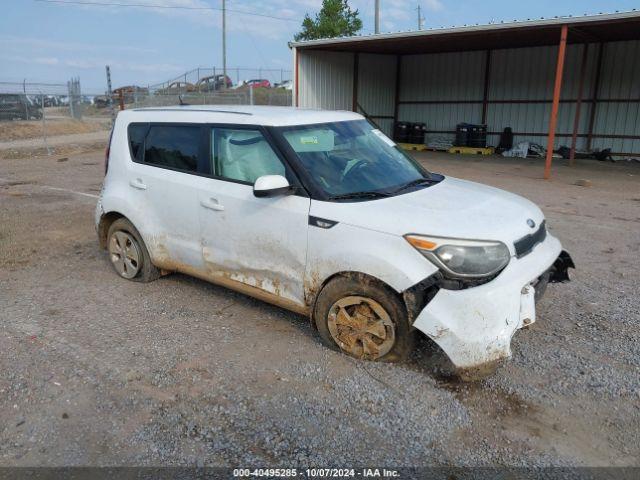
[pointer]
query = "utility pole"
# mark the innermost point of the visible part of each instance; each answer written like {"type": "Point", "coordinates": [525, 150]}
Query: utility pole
{"type": "Point", "coordinates": [420, 18]}
{"type": "Point", "coordinates": [110, 96]}
{"type": "Point", "coordinates": [224, 44]}
{"type": "Point", "coordinates": [377, 17]}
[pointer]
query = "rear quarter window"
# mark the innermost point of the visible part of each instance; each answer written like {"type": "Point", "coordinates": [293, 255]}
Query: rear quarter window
{"type": "Point", "coordinates": [174, 147]}
{"type": "Point", "coordinates": [137, 132]}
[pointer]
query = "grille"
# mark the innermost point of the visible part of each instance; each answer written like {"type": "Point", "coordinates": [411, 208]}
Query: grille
{"type": "Point", "coordinates": [526, 244]}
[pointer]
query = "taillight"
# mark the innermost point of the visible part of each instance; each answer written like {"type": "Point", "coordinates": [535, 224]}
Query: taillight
{"type": "Point", "coordinates": [106, 154]}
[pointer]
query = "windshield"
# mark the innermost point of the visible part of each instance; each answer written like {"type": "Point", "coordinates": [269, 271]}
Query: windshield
{"type": "Point", "coordinates": [353, 159]}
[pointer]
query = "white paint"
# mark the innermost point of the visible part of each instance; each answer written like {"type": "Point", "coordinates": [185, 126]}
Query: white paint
{"type": "Point", "coordinates": [475, 325]}
{"type": "Point", "coordinates": [215, 228]}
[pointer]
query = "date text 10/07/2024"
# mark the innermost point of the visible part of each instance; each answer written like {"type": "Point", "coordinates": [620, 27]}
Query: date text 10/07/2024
{"type": "Point", "coordinates": [316, 472]}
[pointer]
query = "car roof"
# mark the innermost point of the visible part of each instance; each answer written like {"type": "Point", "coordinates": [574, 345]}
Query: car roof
{"type": "Point", "coordinates": [238, 114]}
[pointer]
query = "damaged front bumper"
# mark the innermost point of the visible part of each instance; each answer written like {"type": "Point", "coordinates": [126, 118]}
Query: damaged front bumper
{"type": "Point", "coordinates": [474, 326]}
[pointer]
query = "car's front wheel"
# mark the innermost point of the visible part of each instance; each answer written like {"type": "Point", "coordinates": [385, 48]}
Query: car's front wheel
{"type": "Point", "coordinates": [128, 253]}
{"type": "Point", "coordinates": [364, 319]}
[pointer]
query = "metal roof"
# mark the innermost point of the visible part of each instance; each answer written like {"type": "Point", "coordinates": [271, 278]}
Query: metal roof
{"type": "Point", "coordinates": [605, 27]}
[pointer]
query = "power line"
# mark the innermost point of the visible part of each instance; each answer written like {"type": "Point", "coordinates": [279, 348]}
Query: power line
{"type": "Point", "coordinates": [174, 7]}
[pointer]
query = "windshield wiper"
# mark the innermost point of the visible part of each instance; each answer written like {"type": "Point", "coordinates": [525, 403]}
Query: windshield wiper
{"type": "Point", "coordinates": [414, 183]}
{"type": "Point", "coordinates": [355, 195]}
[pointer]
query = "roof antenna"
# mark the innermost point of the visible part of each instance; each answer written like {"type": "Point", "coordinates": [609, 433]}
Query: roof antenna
{"type": "Point", "coordinates": [182, 103]}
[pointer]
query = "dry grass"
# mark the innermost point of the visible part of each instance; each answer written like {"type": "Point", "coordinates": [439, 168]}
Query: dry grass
{"type": "Point", "coordinates": [22, 130]}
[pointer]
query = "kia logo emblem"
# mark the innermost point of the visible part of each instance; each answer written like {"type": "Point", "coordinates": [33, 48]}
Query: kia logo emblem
{"type": "Point", "coordinates": [531, 223]}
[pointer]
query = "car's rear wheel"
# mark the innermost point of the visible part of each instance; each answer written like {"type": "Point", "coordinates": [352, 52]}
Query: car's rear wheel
{"type": "Point", "coordinates": [363, 319]}
{"type": "Point", "coordinates": [128, 254]}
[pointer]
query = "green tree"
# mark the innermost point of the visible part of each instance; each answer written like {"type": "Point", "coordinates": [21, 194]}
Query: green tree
{"type": "Point", "coordinates": [335, 19]}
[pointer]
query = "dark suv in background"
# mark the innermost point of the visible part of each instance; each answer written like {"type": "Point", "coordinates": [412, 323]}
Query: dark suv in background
{"type": "Point", "coordinates": [17, 106]}
{"type": "Point", "coordinates": [213, 83]}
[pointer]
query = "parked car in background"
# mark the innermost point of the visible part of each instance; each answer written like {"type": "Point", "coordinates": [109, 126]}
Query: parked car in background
{"type": "Point", "coordinates": [101, 101]}
{"type": "Point", "coordinates": [321, 213]}
{"type": "Point", "coordinates": [257, 83]}
{"type": "Point", "coordinates": [213, 83]}
{"type": "Point", "coordinates": [129, 93]}
{"type": "Point", "coordinates": [286, 84]}
{"type": "Point", "coordinates": [17, 106]}
{"type": "Point", "coordinates": [177, 88]}
{"type": "Point", "coordinates": [51, 101]}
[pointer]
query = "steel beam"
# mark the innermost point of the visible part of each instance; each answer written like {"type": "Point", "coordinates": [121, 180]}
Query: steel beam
{"type": "Point", "coordinates": [356, 67]}
{"type": "Point", "coordinates": [576, 120]}
{"type": "Point", "coordinates": [485, 97]}
{"type": "Point", "coordinates": [397, 92]}
{"type": "Point", "coordinates": [594, 96]}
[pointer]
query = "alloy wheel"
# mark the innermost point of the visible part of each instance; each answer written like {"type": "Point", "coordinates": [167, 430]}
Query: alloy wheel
{"type": "Point", "coordinates": [124, 254]}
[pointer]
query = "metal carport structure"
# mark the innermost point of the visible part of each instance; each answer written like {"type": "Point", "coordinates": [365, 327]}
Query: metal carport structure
{"type": "Point", "coordinates": [578, 75]}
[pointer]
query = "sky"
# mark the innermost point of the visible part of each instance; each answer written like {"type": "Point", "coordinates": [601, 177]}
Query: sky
{"type": "Point", "coordinates": [52, 42]}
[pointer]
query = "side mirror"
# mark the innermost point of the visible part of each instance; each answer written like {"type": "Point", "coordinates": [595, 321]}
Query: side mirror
{"type": "Point", "coordinates": [271, 186]}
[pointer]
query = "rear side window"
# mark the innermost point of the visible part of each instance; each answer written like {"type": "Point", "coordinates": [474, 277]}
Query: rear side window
{"type": "Point", "coordinates": [174, 147]}
{"type": "Point", "coordinates": [137, 132]}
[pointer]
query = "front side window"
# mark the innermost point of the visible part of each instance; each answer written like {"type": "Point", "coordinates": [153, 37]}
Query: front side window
{"type": "Point", "coordinates": [173, 147]}
{"type": "Point", "coordinates": [353, 158]}
{"type": "Point", "coordinates": [243, 155]}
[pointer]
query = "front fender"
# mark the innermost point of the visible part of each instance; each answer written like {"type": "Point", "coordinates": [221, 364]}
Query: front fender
{"type": "Point", "coordinates": [346, 248]}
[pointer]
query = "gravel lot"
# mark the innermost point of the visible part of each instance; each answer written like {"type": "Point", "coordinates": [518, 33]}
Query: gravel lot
{"type": "Point", "coordinates": [97, 370]}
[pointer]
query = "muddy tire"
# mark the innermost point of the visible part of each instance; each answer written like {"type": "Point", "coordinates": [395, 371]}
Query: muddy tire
{"type": "Point", "coordinates": [128, 253]}
{"type": "Point", "coordinates": [364, 319]}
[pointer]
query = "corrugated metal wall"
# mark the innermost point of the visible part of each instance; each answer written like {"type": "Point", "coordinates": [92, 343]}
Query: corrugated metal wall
{"type": "Point", "coordinates": [518, 79]}
{"type": "Point", "coordinates": [621, 80]}
{"type": "Point", "coordinates": [445, 89]}
{"type": "Point", "coordinates": [325, 80]}
{"type": "Point", "coordinates": [377, 89]}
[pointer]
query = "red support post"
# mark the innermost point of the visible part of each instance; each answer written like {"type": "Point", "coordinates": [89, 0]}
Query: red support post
{"type": "Point", "coordinates": [576, 120]}
{"type": "Point", "coordinates": [553, 121]}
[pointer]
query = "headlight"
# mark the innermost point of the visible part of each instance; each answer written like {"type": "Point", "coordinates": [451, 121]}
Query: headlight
{"type": "Point", "coordinates": [462, 258]}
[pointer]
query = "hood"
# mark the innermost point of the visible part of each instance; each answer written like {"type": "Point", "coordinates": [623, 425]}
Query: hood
{"type": "Point", "coordinates": [452, 208]}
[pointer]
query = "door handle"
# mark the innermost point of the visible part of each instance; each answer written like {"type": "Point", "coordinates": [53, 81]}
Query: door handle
{"type": "Point", "coordinates": [212, 204]}
{"type": "Point", "coordinates": [138, 183]}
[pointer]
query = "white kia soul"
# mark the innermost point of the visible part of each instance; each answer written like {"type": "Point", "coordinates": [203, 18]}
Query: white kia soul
{"type": "Point", "coordinates": [322, 214]}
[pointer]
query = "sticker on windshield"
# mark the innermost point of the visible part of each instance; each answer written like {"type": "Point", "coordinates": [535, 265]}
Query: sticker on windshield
{"type": "Point", "coordinates": [383, 137]}
{"type": "Point", "coordinates": [309, 140]}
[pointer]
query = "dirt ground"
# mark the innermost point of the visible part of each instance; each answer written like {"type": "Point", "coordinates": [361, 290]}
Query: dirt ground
{"type": "Point", "coordinates": [97, 370]}
{"type": "Point", "coordinates": [59, 136]}
{"type": "Point", "coordinates": [21, 130]}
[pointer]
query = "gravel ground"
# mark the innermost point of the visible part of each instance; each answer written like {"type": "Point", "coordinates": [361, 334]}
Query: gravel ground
{"type": "Point", "coordinates": [97, 370]}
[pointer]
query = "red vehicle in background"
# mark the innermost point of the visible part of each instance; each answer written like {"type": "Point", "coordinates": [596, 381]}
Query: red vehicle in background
{"type": "Point", "coordinates": [260, 82]}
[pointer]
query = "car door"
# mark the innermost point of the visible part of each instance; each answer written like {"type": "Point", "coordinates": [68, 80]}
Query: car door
{"type": "Point", "coordinates": [259, 242]}
{"type": "Point", "coordinates": [165, 177]}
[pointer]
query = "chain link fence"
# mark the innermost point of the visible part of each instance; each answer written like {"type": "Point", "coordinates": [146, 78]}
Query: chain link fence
{"type": "Point", "coordinates": [58, 116]}
{"type": "Point", "coordinates": [209, 86]}
{"type": "Point", "coordinates": [207, 79]}
{"type": "Point", "coordinates": [35, 101]}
